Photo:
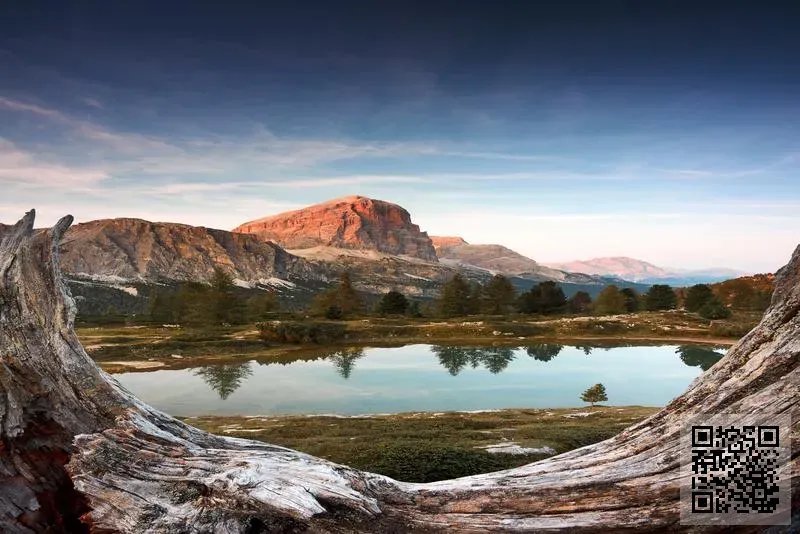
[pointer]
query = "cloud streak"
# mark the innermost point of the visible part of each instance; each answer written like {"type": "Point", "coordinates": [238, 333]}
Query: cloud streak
{"type": "Point", "coordinates": [23, 169]}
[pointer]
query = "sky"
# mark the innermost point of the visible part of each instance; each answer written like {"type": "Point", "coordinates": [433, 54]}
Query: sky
{"type": "Point", "coordinates": [664, 131]}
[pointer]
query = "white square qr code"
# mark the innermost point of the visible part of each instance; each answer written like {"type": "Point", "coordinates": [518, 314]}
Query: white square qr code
{"type": "Point", "coordinates": [735, 470]}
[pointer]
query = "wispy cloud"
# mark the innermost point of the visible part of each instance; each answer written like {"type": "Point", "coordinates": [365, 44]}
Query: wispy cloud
{"type": "Point", "coordinates": [22, 168]}
{"type": "Point", "coordinates": [93, 103]}
{"type": "Point", "coordinates": [147, 154]}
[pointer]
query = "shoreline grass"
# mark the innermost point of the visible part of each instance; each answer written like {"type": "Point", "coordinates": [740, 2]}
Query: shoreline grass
{"type": "Point", "coordinates": [429, 446]}
{"type": "Point", "coordinates": [147, 348]}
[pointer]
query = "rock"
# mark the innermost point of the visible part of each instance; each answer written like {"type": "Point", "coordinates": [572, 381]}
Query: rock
{"type": "Point", "coordinates": [445, 242]}
{"type": "Point", "coordinates": [134, 249]}
{"type": "Point", "coordinates": [81, 453]}
{"type": "Point", "coordinates": [497, 258]}
{"type": "Point", "coordinates": [350, 222]}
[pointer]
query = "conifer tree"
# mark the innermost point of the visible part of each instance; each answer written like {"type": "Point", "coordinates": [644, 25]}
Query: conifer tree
{"type": "Point", "coordinates": [595, 394]}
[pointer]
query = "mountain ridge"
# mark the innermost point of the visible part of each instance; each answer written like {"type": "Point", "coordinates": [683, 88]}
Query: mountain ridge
{"type": "Point", "coordinates": [637, 270]}
{"type": "Point", "coordinates": [347, 222]}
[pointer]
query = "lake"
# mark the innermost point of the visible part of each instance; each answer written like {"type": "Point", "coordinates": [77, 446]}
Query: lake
{"type": "Point", "coordinates": [437, 378]}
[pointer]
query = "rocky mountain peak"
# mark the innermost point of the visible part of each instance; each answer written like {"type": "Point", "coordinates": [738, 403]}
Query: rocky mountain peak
{"type": "Point", "coordinates": [443, 242]}
{"type": "Point", "coordinates": [354, 222]}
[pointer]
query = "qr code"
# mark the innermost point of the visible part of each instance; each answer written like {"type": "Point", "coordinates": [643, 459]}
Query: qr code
{"type": "Point", "coordinates": [734, 471]}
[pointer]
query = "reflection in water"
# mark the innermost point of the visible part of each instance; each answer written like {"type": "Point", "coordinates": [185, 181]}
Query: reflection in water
{"type": "Point", "coordinates": [544, 352]}
{"type": "Point", "coordinates": [224, 379]}
{"type": "Point", "coordinates": [345, 360]}
{"type": "Point", "coordinates": [454, 359]}
{"type": "Point", "coordinates": [378, 380]}
{"type": "Point", "coordinates": [701, 357]}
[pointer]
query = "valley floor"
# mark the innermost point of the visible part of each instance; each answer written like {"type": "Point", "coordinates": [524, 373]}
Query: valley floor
{"type": "Point", "coordinates": [141, 348]}
{"type": "Point", "coordinates": [427, 446]}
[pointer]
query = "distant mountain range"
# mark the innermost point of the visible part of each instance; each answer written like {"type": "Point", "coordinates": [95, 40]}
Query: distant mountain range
{"type": "Point", "coordinates": [298, 252]}
{"type": "Point", "coordinates": [646, 273]}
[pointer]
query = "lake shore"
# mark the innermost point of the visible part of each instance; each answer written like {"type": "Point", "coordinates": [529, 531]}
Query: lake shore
{"type": "Point", "coordinates": [427, 446]}
{"type": "Point", "coordinates": [143, 348]}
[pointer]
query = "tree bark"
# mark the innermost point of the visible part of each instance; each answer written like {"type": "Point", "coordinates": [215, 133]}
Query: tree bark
{"type": "Point", "coordinates": [78, 453]}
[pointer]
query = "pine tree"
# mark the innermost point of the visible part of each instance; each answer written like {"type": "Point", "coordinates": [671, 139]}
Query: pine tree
{"type": "Point", "coordinates": [714, 308]}
{"type": "Point", "coordinates": [661, 297]}
{"type": "Point", "coordinates": [610, 301]}
{"type": "Point", "coordinates": [631, 300]}
{"type": "Point", "coordinates": [393, 303]}
{"type": "Point", "coordinates": [579, 302]}
{"type": "Point", "coordinates": [546, 298]}
{"type": "Point", "coordinates": [338, 302]}
{"type": "Point", "coordinates": [697, 297]}
{"type": "Point", "coordinates": [454, 299]}
{"type": "Point", "coordinates": [498, 295]}
{"type": "Point", "coordinates": [595, 394]}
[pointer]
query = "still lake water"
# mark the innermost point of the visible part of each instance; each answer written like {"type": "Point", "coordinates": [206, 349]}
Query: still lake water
{"type": "Point", "coordinates": [426, 378]}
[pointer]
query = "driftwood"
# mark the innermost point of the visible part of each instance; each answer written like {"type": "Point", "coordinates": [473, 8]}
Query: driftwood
{"type": "Point", "coordinates": [78, 453]}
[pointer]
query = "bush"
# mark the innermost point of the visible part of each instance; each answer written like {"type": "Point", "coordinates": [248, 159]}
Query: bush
{"type": "Point", "coordinates": [429, 462]}
{"type": "Point", "coordinates": [304, 332]}
{"type": "Point", "coordinates": [714, 309]}
{"type": "Point", "coordinates": [334, 313]}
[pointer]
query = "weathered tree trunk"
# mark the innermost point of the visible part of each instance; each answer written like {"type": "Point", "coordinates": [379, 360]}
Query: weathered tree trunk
{"type": "Point", "coordinates": [78, 452]}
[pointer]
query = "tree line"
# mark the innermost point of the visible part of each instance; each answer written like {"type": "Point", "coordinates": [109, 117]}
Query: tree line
{"type": "Point", "coordinates": [460, 297]}
{"type": "Point", "coordinates": [221, 302]}
{"type": "Point", "coordinates": [218, 302]}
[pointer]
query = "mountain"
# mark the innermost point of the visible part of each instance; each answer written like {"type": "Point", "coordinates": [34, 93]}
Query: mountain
{"type": "Point", "coordinates": [499, 259]}
{"type": "Point", "coordinates": [645, 272]}
{"type": "Point", "coordinates": [353, 222]}
{"type": "Point", "coordinates": [138, 250]}
{"type": "Point", "coordinates": [114, 264]}
{"type": "Point", "coordinates": [620, 266]}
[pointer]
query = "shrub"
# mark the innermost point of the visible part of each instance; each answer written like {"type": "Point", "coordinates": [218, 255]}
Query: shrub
{"type": "Point", "coordinates": [302, 332]}
{"type": "Point", "coordinates": [430, 462]}
{"type": "Point", "coordinates": [714, 309]}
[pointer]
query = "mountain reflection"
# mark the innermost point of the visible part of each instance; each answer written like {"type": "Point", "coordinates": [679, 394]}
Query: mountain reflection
{"type": "Point", "coordinates": [544, 352]}
{"type": "Point", "coordinates": [702, 357]}
{"type": "Point", "coordinates": [224, 379]}
{"type": "Point", "coordinates": [455, 359]}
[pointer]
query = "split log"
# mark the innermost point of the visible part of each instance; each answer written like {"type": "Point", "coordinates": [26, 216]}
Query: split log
{"type": "Point", "coordinates": [79, 453]}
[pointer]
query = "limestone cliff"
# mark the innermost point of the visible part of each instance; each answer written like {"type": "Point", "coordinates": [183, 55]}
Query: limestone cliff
{"type": "Point", "coordinates": [134, 249]}
{"type": "Point", "coordinates": [354, 222]}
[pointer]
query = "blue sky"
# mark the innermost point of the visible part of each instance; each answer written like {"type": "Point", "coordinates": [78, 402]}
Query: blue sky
{"type": "Point", "coordinates": [657, 132]}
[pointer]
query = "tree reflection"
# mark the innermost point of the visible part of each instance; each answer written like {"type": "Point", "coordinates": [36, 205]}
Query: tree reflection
{"type": "Point", "coordinates": [587, 350]}
{"type": "Point", "coordinates": [345, 360]}
{"type": "Point", "coordinates": [455, 359]}
{"type": "Point", "coordinates": [702, 357]}
{"type": "Point", "coordinates": [224, 379]}
{"type": "Point", "coordinates": [544, 352]}
{"type": "Point", "coordinates": [497, 359]}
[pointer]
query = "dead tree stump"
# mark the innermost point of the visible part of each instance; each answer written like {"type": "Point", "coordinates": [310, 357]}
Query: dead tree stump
{"type": "Point", "coordinates": [78, 453]}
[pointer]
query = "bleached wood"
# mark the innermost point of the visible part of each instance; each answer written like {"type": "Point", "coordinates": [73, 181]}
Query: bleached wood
{"type": "Point", "coordinates": [75, 443]}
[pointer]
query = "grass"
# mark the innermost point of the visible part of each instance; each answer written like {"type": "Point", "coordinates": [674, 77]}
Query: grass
{"type": "Point", "coordinates": [116, 348]}
{"type": "Point", "coordinates": [424, 447]}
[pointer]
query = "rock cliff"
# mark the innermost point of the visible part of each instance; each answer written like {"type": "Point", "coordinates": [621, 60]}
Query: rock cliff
{"type": "Point", "coordinates": [354, 222]}
{"type": "Point", "coordinates": [134, 249]}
